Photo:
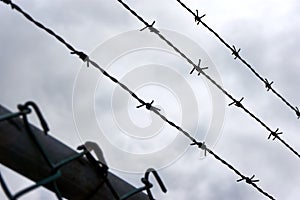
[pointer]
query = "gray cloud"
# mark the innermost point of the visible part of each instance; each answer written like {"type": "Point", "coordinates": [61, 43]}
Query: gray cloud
{"type": "Point", "coordinates": [35, 66]}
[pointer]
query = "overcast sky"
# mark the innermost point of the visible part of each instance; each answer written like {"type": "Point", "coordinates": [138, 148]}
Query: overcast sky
{"type": "Point", "coordinates": [36, 67]}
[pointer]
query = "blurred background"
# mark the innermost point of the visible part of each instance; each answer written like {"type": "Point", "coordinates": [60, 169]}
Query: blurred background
{"type": "Point", "coordinates": [36, 67]}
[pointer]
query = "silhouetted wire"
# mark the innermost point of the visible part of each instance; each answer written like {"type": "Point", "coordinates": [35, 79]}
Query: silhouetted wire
{"type": "Point", "coordinates": [236, 54]}
{"type": "Point", "coordinates": [201, 71]}
{"type": "Point", "coordinates": [247, 179]}
{"type": "Point", "coordinates": [148, 106]}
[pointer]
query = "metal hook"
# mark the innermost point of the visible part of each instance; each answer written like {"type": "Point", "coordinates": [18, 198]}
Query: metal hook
{"type": "Point", "coordinates": [42, 120]}
{"type": "Point", "coordinates": [148, 185]}
{"type": "Point", "coordinates": [99, 166]}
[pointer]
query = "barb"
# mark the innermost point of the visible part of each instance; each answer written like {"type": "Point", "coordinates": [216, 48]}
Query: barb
{"type": "Point", "coordinates": [274, 134]}
{"type": "Point", "coordinates": [197, 18]}
{"type": "Point", "coordinates": [250, 181]}
{"type": "Point", "coordinates": [132, 93]}
{"type": "Point", "coordinates": [151, 28]}
{"type": "Point", "coordinates": [198, 68]}
{"type": "Point", "coordinates": [235, 52]}
{"type": "Point", "coordinates": [268, 84]}
{"type": "Point", "coordinates": [200, 145]}
{"type": "Point", "coordinates": [148, 106]}
{"type": "Point", "coordinates": [235, 101]}
{"type": "Point", "coordinates": [237, 56]}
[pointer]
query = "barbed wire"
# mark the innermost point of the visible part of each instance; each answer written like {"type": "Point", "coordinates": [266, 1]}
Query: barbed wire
{"type": "Point", "coordinates": [148, 106]}
{"type": "Point", "coordinates": [237, 103]}
{"type": "Point", "coordinates": [236, 53]}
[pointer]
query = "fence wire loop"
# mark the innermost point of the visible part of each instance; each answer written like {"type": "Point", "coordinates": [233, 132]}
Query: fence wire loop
{"type": "Point", "coordinates": [274, 134]}
{"type": "Point", "coordinates": [147, 185]}
{"type": "Point", "coordinates": [198, 18]}
{"type": "Point", "coordinates": [26, 106]}
{"type": "Point", "coordinates": [101, 168]}
{"type": "Point", "coordinates": [249, 180]}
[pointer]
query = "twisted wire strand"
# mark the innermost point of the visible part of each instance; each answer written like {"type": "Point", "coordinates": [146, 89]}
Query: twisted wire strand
{"type": "Point", "coordinates": [235, 52]}
{"type": "Point", "coordinates": [148, 106]}
{"type": "Point", "coordinates": [251, 182]}
{"type": "Point", "coordinates": [201, 71]}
